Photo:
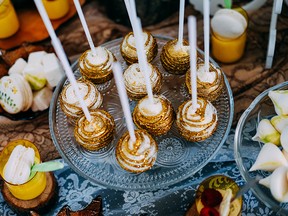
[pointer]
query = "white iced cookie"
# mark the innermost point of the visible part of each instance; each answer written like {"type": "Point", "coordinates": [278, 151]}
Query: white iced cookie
{"type": "Point", "coordinates": [228, 23]}
{"type": "Point", "coordinates": [17, 169]}
{"type": "Point", "coordinates": [15, 94]}
{"type": "Point", "coordinates": [279, 99]}
{"type": "Point", "coordinates": [269, 158]}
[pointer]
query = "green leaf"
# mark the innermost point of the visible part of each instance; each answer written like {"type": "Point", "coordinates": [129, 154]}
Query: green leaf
{"type": "Point", "coordinates": [47, 166]}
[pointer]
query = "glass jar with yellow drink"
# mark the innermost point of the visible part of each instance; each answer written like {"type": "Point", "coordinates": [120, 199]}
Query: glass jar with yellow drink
{"type": "Point", "coordinates": [56, 9]}
{"type": "Point", "coordinates": [35, 184]}
{"type": "Point", "coordinates": [229, 33]}
{"type": "Point", "coordinates": [9, 23]}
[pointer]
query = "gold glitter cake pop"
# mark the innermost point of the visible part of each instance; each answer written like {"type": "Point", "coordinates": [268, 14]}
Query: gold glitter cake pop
{"type": "Point", "coordinates": [97, 67]}
{"type": "Point", "coordinates": [156, 118]}
{"type": "Point", "coordinates": [196, 125]}
{"type": "Point", "coordinates": [139, 156]}
{"type": "Point", "coordinates": [97, 133]}
{"type": "Point", "coordinates": [128, 47]}
{"type": "Point", "coordinates": [209, 84]}
{"type": "Point", "coordinates": [134, 81]}
{"type": "Point", "coordinates": [175, 58]}
{"type": "Point", "coordinates": [70, 104]}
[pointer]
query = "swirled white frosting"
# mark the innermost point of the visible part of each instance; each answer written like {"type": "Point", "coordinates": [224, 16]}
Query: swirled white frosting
{"type": "Point", "coordinates": [97, 58]}
{"type": "Point", "coordinates": [102, 59]}
{"type": "Point", "coordinates": [18, 168]}
{"type": "Point", "coordinates": [137, 156]}
{"type": "Point", "coordinates": [131, 41]}
{"type": "Point", "coordinates": [135, 81]}
{"type": "Point", "coordinates": [198, 121]}
{"type": "Point", "coordinates": [92, 97]}
{"type": "Point", "coordinates": [150, 109]}
{"type": "Point", "coordinates": [205, 76]}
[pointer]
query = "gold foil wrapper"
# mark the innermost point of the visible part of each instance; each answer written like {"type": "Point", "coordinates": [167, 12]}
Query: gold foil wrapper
{"type": "Point", "coordinates": [193, 127]}
{"type": "Point", "coordinates": [129, 53]}
{"type": "Point", "coordinates": [73, 111]}
{"type": "Point", "coordinates": [210, 91]}
{"type": "Point", "coordinates": [175, 61]}
{"type": "Point", "coordinates": [136, 92]}
{"type": "Point", "coordinates": [156, 125]}
{"type": "Point", "coordinates": [97, 73]}
{"type": "Point", "coordinates": [132, 157]}
{"type": "Point", "coordinates": [96, 134]}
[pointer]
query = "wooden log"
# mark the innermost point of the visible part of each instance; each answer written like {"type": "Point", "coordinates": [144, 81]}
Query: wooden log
{"type": "Point", "coordinates": [40, 204]}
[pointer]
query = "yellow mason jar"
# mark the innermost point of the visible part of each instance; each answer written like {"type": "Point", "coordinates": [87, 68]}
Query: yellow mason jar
{"type": "Point", "coordinates": [9, 23]}
{"type": "Point", "coordinates": [229, 50]}
{"type": "Point", "coordinates": [56, 8]}
{"type": "Point", "coordinates": [34, 186]}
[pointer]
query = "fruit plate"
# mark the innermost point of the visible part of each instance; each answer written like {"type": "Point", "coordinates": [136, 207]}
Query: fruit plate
{"type": "Point", "coordinates": [177, 158]}
{"type": "Point", "coordinates": [246, 150]}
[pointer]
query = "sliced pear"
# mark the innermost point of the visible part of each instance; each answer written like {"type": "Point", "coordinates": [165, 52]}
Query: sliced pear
{"type": "Point", "coordinates": [266, 133]}
{"type": "Point", "coordinates": [224, 207]}
{"type": "Point", "coordinates": [279, 99]}
{"type": "Point", "coordinates": [279, 184]}
{"type": "Point", "coordinates": [265, 181]}
{"type": "Point", "coordinates": [279, 122]}
{"type": "Point", "coordinates": [270, 157]}
{"type": "Point", "coordinates": [284, 139]}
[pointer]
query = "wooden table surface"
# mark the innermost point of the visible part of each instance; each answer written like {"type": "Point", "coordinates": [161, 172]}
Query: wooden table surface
{"type": "Point", "coordinates": [247, 77]}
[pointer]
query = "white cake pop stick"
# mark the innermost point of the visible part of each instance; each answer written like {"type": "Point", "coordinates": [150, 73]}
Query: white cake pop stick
{"type": "Point", "coordinates": [206, 34]}
{"type": "Point", "coordinates": [192, 32]}
{"type": "Point", "coordinates": [118, 75]}
{"type": "Point", "coordinates": [62, 56]}
{"type": "Point", "coordinates": [85, 26]}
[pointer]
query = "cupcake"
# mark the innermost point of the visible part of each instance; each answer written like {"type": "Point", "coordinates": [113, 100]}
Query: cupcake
{"type": "Point", "coordinates": [97, 133]}
{"type": "Point", "coordinates": [209, 84]}
{"type": "Point", "coordinates": [134, 81]}
{"type": "Point", "coordinates": [156, 118]}
{"type": "Point", "coordinates": [175, 59]}
{"type": "Point", "coordinates": [139, 156]}
{"type": "Point", "coordinates": [70, 104]}
{"type": "Point", "coordinates": [97, 67]}
{"type": "Point", "coordinates": [199, 125]}
{"type": "Point", "coordinates": [214, 195]}
{"type": "Point", "coordinates": [128, 47]}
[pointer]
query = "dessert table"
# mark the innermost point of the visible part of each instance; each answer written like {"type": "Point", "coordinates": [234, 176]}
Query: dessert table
{"type": "Point", "coordinates": [247, 77]}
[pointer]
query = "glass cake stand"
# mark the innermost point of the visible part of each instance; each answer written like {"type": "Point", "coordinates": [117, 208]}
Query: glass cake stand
{"type": "Point", "coordinates": [246, 150]}
{"type": "Point", "coordinates": [177, 158]}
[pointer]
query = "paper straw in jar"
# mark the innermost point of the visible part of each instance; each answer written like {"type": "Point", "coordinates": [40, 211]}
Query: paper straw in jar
{"type": "Point", "coordinates": [142, 58]}
{"type": "Point", "coordinates": [181, 23]}
{"type": "Point", "coordinates": [118, 75]}
{"type": "Point", "coordinates": [192, 33]}
{"type": "Point", "coordinates": [206, 13]}
{"type": "Point", "coordinates": [62, 56]}
{"type": "Point", "coordinates": [85, 26]}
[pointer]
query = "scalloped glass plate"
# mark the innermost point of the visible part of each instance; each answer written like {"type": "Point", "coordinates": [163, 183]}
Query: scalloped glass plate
{"type": "Point", "coordinates": [246, 150]}
{"type": "Point", "coordinates": [177, 158]}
